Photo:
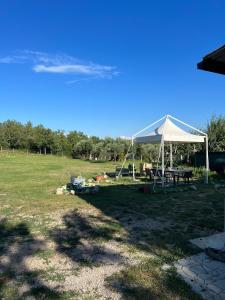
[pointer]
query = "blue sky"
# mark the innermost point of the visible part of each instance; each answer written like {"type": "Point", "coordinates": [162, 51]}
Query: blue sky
{"type": "Point", "coordinates": [109, 67]}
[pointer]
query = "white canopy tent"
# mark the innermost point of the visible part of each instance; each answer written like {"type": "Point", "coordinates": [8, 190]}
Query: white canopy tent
{"type": "Point", "coordinates": [169, 133]}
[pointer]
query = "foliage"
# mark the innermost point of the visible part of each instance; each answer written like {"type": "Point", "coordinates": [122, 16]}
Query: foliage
{"type": "Point", "coordinates": [15, 135]}
{"type": "Point", "coordinates": [216, 134]}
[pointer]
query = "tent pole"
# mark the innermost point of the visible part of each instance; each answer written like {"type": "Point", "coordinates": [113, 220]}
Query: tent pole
{"type": "Point", "coordinates": [133, 158]}
{"type": "Point", "coordinates": [157, 166]}
{"type": "Point", "coordinates": [199, 131]}
{"type": "Point", "coordinates": [207, 159]}
{"type": "Point", "coordinates": [163, 166]}
{"type": "Point", "coordinates": [171, 156]}
{"type": "Point", "coordinates": [125, 159]}
{"type": "Point", "coordinates": [147, 127]}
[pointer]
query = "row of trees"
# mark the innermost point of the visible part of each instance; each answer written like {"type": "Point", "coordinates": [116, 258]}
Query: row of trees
{"type": "Point", "coordinates": [15, 135]}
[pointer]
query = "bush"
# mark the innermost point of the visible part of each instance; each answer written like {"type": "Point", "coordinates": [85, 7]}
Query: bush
{"type": "Point", "coordinates": [219, 166]}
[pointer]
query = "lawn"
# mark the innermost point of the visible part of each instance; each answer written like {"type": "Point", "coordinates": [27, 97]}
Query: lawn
{"type": "Point", "coordinates": [110, 245]}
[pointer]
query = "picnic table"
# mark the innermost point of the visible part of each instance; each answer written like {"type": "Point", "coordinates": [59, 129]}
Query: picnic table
{"type": "Point", "coordinates": [174, 174]}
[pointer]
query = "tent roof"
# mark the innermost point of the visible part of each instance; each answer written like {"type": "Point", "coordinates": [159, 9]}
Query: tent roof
{"type": "Point", "coordinates": [171, 133]}
{"type": "Point", "coordinates": [214, 62]}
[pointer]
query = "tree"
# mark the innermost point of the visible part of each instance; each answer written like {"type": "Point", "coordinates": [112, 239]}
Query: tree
{"type": "Point", "coordinates": [75, 137]}
{"type": "Point", "coordinates": [216, 134]}
{"type": "Point", "coordinates": [140, 151]}
{"type": "Point", "coordinates": [3, 139]}
{"type": "Point", "coordinates": [60, 142]}
{"type": "Point", "coordinates": [83, 149]}
{"type": "Point", "coordinates": [28, 136]}
{"type": "Point", "coordinates": [98, 151]}
{"type": "Point", "coordinates": [44, 139]}
{"type": "Point", "coordinates": [13, 132]}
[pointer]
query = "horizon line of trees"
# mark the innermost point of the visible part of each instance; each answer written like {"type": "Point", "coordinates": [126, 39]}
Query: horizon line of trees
{"type": "Point", "coordinates": [38, 139]}
{"type": "Point", "coordinates": [42, 140]}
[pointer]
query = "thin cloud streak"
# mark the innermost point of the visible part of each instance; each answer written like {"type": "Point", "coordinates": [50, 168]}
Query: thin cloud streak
{"type": "Point", "coordinates": [60, 64]}
{"type": "Point", "coordinates": [76, 69]}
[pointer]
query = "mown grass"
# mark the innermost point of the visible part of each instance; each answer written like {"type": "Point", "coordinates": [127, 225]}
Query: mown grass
{"type": "Point", "coordinates": [28, 200]}
{"type": "Point", "coordinates": [148, 281]}
{"type": "Point", "coordinates": [28, 183]}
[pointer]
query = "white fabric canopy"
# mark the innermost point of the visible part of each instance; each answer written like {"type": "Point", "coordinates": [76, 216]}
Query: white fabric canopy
{"type": "Point", "coordinates": [170, 133]}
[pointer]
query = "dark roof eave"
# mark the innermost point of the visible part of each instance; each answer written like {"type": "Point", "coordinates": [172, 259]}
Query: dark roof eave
{"type": "Point", "coordinates": [212, 66]}
{"type": "Point", "coordinates": [214, 61]}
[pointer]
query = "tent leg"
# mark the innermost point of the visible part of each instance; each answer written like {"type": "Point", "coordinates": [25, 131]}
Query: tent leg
{"type": "Point", "coordinates": [133, 170]}
{"type": "Point", "coordinates": [125, 159]}
{"type": "Point", "coordinates": [207, 160]}
{"type": "Point", "coordinates": [171, 156]}
{"type": "Point", "coordinates": [163, 165]}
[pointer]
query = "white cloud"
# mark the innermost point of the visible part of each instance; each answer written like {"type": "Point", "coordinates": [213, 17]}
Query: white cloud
{"type": "Point", "coordinates": [101, 71]}
{"type": "Point", "coordinates": [11, 59]}
{"type": "Point", "coordinates": [61, 64]}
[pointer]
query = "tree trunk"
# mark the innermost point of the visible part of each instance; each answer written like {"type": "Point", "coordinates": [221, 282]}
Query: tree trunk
{"type": "Point", "coordinates": [45, 150]}
{"type": "Point", "coordinates": [188, 157]}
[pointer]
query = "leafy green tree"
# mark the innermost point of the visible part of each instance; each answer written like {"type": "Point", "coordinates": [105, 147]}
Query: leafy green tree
{"type": "Point", "coordinates": [95, 139]}
{"type": "Point", "coordinates": [216, 133]}
{"type": "Point", "coordinates": [140, 152]}
{"type": "Point", "coordinates": [75, 137]}
{"type": "Point", "coordinates": [29, 140]}
{"type": "Point", "coordinates": [3, 139]}
{"type": "Point", "coordinates": [98, 151]}
{"type": "Point", "coordinates": [38, 137]}
{"type": "Point", "coordinates": [13, 133]}
{"type": "Point", "coordinates": [83, 149]}
{"type": "Point", "coordinates": [60, 143]}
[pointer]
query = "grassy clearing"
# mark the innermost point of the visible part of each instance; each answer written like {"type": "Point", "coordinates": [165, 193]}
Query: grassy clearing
{"type": "Point", "coordinates": [29, 182]}
{"type": "Point", "coordinates": [119, 232]}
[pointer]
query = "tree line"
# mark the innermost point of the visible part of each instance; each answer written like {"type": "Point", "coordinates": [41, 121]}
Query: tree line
{"type": "Point", "coordinates": [39, 139]}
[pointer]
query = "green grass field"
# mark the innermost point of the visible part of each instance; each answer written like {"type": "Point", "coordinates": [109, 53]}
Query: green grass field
{"type": "Point", "coordinates": [110, 245]}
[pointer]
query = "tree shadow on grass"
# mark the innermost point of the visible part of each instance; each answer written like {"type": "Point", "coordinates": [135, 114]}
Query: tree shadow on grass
{"type": "Point", "coordinates": [176, 214]}
{"type": "Point", "coordinates": [150, 220]}
{"type": "Point", "coordinates": [160, 224]}
{"type": "Point", "coordinates": [16, 280]}
{"type": "Point", "coordinates": [146, 282]}
{"type": "Point", "coordinates": [80, 239]}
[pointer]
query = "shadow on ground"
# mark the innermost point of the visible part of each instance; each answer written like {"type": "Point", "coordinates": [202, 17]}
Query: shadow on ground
{"type": "Point", "coordinates": [160, 224]}
{"type": "Point", "coordinates": [80, 239]}
{"type": "Point", "coordinates": [16, 280]}
{"type": "Point", "coordinates": [169, 217]}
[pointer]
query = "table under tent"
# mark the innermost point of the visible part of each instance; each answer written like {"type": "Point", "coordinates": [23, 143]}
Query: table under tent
{"type": "Point", "coordinates": [168, 133]}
